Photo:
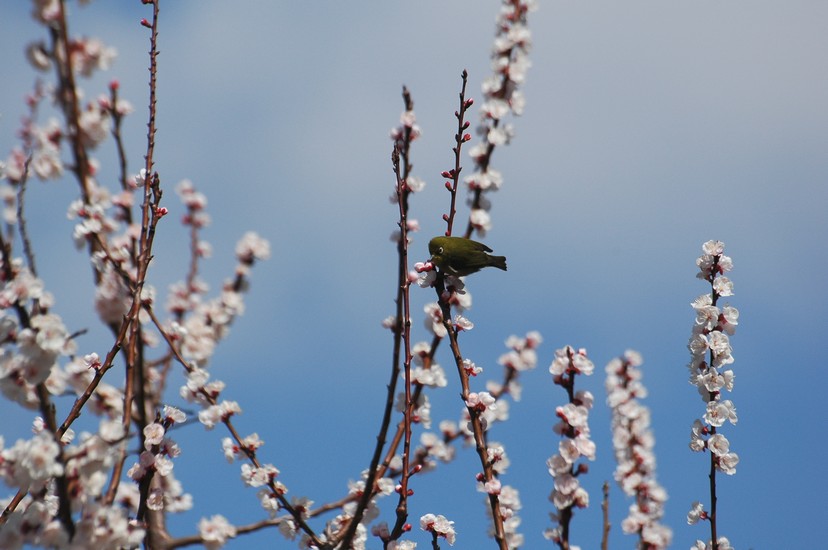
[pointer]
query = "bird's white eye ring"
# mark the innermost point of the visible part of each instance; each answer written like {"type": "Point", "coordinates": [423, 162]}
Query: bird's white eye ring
{"type": "Point", "coordinates": [440, 250]}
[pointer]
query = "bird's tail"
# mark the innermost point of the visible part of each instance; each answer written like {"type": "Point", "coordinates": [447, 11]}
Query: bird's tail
{"type": "Point", "coordinates": [498, 262]}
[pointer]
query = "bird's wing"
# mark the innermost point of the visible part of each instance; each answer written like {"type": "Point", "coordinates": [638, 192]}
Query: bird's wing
{"type": "Point", "coordinates": [480, 246]}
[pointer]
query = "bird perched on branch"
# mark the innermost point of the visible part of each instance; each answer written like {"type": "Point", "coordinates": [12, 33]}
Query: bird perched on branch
{"type": "Point", "coordinates": [460, 257]}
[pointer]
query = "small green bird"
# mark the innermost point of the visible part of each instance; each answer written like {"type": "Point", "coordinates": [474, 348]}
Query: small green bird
{"type": "Point", "coordinates": [460, 257]}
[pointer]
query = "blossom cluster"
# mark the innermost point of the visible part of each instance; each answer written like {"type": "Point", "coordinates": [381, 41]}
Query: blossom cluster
{"type": "Point", "coordinates": [156, 458]}
{"type": "Point", "coordinates": [207, 323]}
{"type": "Point", "coordinates": [522, 356]}
{"type": "Point", "coordinates": [440, 526]}
{"type": "Point", "coordinates": [502, 96]}
{"type": "Point", "coordinates": [386, 486]}
{"type": "Point", "coordinates": [408, 130]}
{"type": "Point", "coordinates": [336, 526]}
{"type": "Point", "coordinates": [573, 427]}
{"type": "Point", "coordinates": [438, 447]}
{"type": "Point", "coordinates": [34, 464]}
{"type": "Point", "coordinates": [460, 299]}
{"type": "Point", "coordinates": [424, 373]}
{"type": "Point", "coordinates": [31, 344]}
{"type": "Point", "coordinates": [402, 135]}
{"type": "Point", "coordinates": [215, 531]}
{"type": "Point", "coordinates": [710, 355]}
{"type": "Point", "coordinates": [634, 443]}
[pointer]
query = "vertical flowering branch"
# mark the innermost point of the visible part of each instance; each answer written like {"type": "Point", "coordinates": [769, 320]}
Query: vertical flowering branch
{"type": "Point", "coordinates": [710, 354]}
{"type": "Point", "coordinates": [459, 139]}
{"type": "Point", "coordinates": [567, 493]}
{"type": "Point", "coordinates": [403, 328]}
{"type": "Point", "coordinates": [136, 373]}
{"type": "Point", "coordinates": [405, 184]}
{"type": "Point", "coordinates": [502, 96]}
{"type": "Point", "coordinates": [633, 442]}
{"type": "Point", "coordinates": [451, 290]}
{"type": "Point", "coordinates": [477, 405]}
{"type": "Point", "coordinates": [403, 331]}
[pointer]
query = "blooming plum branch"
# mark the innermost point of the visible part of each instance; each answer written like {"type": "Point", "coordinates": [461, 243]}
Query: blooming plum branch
{"type": "Point", "coordinates": [573, 427]}
{"type": "Point", "coordinates": [634, 443]}
{"type": "Point", "coordinates": [710, 356]}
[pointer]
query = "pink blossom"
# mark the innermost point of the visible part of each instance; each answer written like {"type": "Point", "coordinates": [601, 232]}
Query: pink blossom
{"type": "Point", "coordinates": [440, 526]}
{"type": "Point", "coordinates": [215, 531]}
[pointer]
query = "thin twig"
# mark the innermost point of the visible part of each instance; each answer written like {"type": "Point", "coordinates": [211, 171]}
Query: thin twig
{"type": "Point", "coordinates": [117, 119]}
{"type": "Point", "coordinates": [21, 218]}
{"type": "Point", "coordinates": [459, 139]}
{"type": "Point", "coordinates": [12, 505]}
{"type": "Point", "coordinates": [402, 166]}
{"type": "Point", "coordinates": [240, 530]}
{"type": "Point", "coordinates": [605, 511]}
{"type": "Point", "coordinates": [405, 324]}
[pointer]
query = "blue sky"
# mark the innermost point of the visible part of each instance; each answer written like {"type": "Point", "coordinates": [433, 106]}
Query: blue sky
{"type": "Point", "coordinates": [650, 128]}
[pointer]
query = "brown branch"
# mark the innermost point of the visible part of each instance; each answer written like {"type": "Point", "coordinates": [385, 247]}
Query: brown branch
{"type": "Point", "coordinates": [15, 501]}
{"type": "Point", "coordinates": [150, 214]}
{"type": "Point", "coordinates": [713, 516]}
{"type": "Point", "coordinates": [475, 417]}
{"type": "Point", "coordinates": [240, 530]}
{"type": "Point", "coordinates": [67, 95]}
{"type": "Point", "coordinates": [402, 166]}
